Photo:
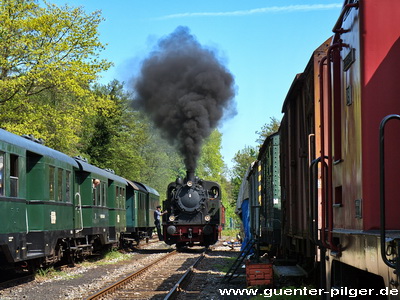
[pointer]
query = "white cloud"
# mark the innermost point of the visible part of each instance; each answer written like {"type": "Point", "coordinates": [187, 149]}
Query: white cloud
{"type": "Point", "coordinates": [264, 10]}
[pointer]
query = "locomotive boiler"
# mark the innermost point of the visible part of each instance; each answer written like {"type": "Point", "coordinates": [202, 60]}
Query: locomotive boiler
{"type": "Point", "coordinates": [193, 213]}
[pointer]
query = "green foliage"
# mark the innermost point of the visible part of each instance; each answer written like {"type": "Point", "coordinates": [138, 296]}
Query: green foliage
{"type": "Point", "coordinates": [49, 63]}
{"type": "Point", "coordinates": [210, 164]}
{"type": "Point", "coordinates": [225, 265]}
{"type": "Point", "coordinates": [43, 272]}
{"type": "Point", "coordinates": [55, 117]}
{"type": "Point", "coordinates": [111, 257]}
{"type": "Point", "coordinates": [211, 167]}
{"type": "Point", "coordinates": [161, 163]}
{"type": "Point", "coordinates": [106, 122]}
{"type": "Point", "coordinates": [47, 47]}
{"type": "Point", "coordinates": [49, 273]}
{"type": "Point", "coordinates": [268, 129]}
{"type": "Point", "coordinates": [242, 159]}
{"type": "Point", "coordinates": [48, 58]}
{"type": "Point", "coordinates": [120, 138]}
{"type": "Point", "coordinates": [231, 233]}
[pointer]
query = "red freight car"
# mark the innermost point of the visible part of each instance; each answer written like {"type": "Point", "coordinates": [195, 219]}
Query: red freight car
{"type": "Point", "coordinates": [339, 196]}
{"type": "Point", "coordinates": [362, 89]}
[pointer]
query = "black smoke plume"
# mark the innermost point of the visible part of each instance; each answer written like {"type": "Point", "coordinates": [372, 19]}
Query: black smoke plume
{"type": "Point", "coordinates": [185, 90]}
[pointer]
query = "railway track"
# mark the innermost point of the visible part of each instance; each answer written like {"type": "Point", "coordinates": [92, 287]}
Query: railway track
{"type": "Point", "coordinates": [162, 279]}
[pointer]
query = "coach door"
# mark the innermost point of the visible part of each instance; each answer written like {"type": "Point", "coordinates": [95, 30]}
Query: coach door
{"type": "Point", "coordinates": [78, 217]}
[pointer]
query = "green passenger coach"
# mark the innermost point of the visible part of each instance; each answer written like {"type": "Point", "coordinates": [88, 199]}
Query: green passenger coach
{"type": "Point", "coordinates": [141, 201]}
{"type": "Point", "coordinates": [57, 208]}
{"type": "Point", "coordinates": [36, 207]}
{"type": "Point", "coordinates": [98, 213]}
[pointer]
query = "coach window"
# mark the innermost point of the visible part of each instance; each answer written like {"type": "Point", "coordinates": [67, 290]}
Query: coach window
{"type": "Point", "coordinates": [98, 195]}
{"type": "Point", "coordinates": [122, 200]}
{"type": "Point", "coordinates": [96, 191]}
{"type": "Point", "coordinates": [59, 185]}
{"type": "Point", "coordinates": [104, 192]}
{"type": "Point", "coordinates": [51, 183]}
{"type": "Point", "coordinates": [68, 186]}
{"type": "Point", "coordinates": [13, 175]}
{"type": "Point", "coordinates": [117, 199]}
{"type": "Point", "coordinates": [1, 173]}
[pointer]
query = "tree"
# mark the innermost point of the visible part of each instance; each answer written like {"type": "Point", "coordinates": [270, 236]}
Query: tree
{"type": "Point", "coordinates": [55, 117]}
{"type": "Point", "coordinates": [242, 160]}
{"type": "Point", "coordinates": [107, 122]}
{"type": "Point", "coordinates": [120, 138]}
{"type": "Point", "coordinates": [43, 48]}
{"type": "Point", "coordinates": [210, 165]}
{"type": "Point", "coordinates": [161, 163]}
{"type": "Point", "coordinates": [268, 129]}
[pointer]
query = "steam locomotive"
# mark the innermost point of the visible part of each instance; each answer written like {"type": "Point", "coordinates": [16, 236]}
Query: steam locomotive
{"type": "Point", "coordinates": [194, 212]}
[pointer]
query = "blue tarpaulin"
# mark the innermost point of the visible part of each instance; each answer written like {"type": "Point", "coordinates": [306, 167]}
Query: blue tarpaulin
{"type": "Point", "coordinates": [246, 223]}
{"type": "Point", "coordinates": [243, 208]}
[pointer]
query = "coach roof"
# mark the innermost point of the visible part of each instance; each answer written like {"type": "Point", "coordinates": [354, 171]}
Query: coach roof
{"type": "Point", "coordinates": [31, 145]}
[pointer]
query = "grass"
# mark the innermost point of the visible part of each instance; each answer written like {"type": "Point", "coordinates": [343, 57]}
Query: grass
{"type": "Point", "coordinates": [43, 274]}
{"type": "Point", "coordinates": [232, 233]}
{"type": "Point", "coordinates": [224, 267]}
{"type": "Point", "coordinates": [112, 256]}
{"type": "Point", "coordinates": [46, 273]}
{"type": "Point", "coordinates": [109, 257]}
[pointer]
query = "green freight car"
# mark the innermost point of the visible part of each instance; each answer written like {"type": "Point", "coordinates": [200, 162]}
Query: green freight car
{"type": "Point", "coordinates": [270, 214]}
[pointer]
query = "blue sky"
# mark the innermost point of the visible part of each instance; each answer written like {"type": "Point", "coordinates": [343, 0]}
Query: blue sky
{"type": "Point", "coordinates": [264, 44]}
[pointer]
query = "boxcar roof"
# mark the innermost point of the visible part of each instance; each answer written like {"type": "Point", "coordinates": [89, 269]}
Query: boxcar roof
{"type": "Point", "coordinates": [32, 146]}
{"type": "Point", "coordinates": [84, 166]}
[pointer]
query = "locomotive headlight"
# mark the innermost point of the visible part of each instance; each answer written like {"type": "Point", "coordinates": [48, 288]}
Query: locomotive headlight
{"type": "Point", "coordinates": [171, 218]}
{"type": "Point", "coordinates": [207, 218]}
{"type": "Point", "coordinates": [189, 183]}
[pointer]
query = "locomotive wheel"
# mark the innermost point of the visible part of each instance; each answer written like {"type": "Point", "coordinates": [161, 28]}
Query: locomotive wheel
{"type": "Point", "coordinates": [180, 246]}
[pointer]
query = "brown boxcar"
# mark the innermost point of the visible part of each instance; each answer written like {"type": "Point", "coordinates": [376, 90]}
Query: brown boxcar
{"type": "Point", "coordinates": [298, 150]}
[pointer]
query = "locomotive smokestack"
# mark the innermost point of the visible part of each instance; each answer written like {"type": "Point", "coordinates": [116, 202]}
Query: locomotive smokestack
{"type": "Point", "coordinates": [185, 90]}
{"type": "Point", "coordinates": [189, 175]}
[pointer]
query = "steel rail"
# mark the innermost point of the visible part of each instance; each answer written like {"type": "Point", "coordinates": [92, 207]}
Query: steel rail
{"type": "Point", "coordinates": [122, 282]}
{"type": "Point", "coordinates": [184, 280]}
